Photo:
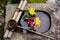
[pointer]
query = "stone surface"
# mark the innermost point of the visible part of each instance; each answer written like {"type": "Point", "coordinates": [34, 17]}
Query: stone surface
{"type": "Point", "coordinates": [50, 8]}
{"type": "Point", "coordinates": [52, 1]}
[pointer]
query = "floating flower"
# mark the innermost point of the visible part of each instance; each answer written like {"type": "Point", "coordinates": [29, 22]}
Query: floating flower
{"type": "Point", "coordinates": [32, 11]}
{"type": "Point", "coordinates": [30, 22]}
{"type": "Point", "coordinates": [36, 28]}
{"type": "Point", "coordinates": [37, 21]}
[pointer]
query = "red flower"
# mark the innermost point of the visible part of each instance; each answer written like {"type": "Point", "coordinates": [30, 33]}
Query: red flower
{"type": "Point", "coordinates": [30, 22]}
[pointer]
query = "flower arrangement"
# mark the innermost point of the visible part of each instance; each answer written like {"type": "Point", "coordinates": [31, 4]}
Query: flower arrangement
{"type": "Point", "coordinates": [32, 20]}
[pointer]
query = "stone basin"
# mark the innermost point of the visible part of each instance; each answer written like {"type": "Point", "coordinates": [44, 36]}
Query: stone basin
{"type": "Point", "coordinates": [10, 9]}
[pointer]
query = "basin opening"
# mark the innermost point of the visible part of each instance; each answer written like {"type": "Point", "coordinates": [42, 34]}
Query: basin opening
{"type": "Point", "coordinates": [45, 20]}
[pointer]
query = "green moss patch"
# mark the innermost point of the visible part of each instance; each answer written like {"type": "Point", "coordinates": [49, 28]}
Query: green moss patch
{"type": "Point", "coordinates": [1, 32]}
{"type": "Point", "coordinates": [37, 1]}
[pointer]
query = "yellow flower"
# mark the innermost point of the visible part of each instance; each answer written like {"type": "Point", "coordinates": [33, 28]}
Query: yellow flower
{"type": "Point", "coordinates": [32, 11]}
{"type": "Point", "coordinates": [37, 21]}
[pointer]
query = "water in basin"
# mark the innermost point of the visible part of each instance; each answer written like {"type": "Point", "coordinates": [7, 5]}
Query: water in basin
{"type": "Point", "coordinates": [45, 21]}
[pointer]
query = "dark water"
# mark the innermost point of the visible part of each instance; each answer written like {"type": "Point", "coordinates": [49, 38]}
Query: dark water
{"type": "Point", "coordinates": [45, 21]}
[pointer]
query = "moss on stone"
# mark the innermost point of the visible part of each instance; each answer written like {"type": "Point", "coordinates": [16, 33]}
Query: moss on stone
{"type": "Point", "coordinates": [37, 1]}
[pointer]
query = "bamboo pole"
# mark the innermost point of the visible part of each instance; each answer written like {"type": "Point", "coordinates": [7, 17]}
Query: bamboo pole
{"type": "Point", "coordinates": [19, 14]}
{"type": "Point", "coordinates": [16, 18]}
{"type": "Point", "coordinates": [37, 33]}
{"type": "Point", "coordinates": [10, 33]}
{"type": "Point", "coordinates": [16, 13]}
{"type": "Point", "coordinates": [6, 33]}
